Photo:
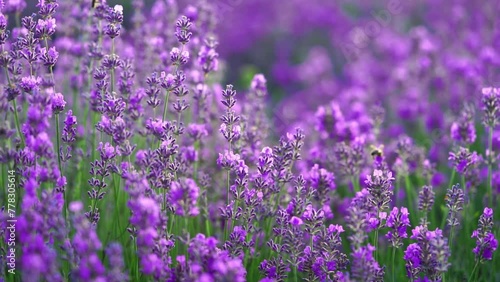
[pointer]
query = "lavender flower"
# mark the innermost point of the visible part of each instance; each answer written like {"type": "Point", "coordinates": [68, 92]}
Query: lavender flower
{"type": "Point", "coordinates": [69, 129]}
{"type": "Point", "coordinates": [58, 103]}
{"type": "Point", "coordinates": [426, 198]}
{"type": "Point", "coordinates": [208, 57]}
{"type": "Point", "coordinates": [429, 255]}
{"type": "Point", "coordinates": [491, 105]}
{"type": "Point", "coordinates": [229, 128]}
{"type": "Point", "coordinates": [463, 159]}
{"type": "Point", "coordinates": [412, 256]}
{"type": "Point", "coordinates": [115, 17]}
{"type": "Point", "coordinates": [364, 266]}
{"type": "Point", "coordinates": [184, 196]}
{"type": "Point", "coordinates": [86, 244]}
{"type": "Point", "coordinates": [116, 273]}
{"type": "Point", "coordinates": [463, 129]}
{"type": "Point", "coordinates": [379, 185]}
{"type": "Point", "coordinates": [486, 243]}
{"type": "Point", "coordinates": [206, 260]}
{"type": "Point", "coordinates": [398, 221]}
{"type": "Point", "coordinates": [454, 203]}
{"type": "Point", "coordinates": [425, 202]}
{"type": "Point", "coordinates": [323, 182]}
{"type": "Point", "coordinates": [359, 213]}
{"type": "Point", "coordinates": [183, 27]}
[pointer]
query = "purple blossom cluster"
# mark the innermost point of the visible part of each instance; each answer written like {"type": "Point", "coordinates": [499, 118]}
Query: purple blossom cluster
{"type": "Point", "coordinates": [127, 155]}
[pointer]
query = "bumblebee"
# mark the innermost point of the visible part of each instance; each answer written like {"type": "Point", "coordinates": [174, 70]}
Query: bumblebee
{"type": "Point", "coordinates": [95, 3]}
{"type": "Point", "coordinates": [377, 151]}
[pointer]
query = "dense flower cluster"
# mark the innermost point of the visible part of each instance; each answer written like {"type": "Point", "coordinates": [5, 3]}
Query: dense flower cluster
{"type": "Point", "coordinates": [138, 144]}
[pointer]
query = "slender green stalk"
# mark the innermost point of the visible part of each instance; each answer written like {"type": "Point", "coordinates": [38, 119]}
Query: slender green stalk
{"type": "Point", "coordinates": [58, 145]}
{"type": "Point", "coordinates": [451, 250]}
{"type": "Point", "coordinates": [196, 162]}
{"type": "Point", "coordinates": [113, 68]}
{"type": "Point", "coordinates": [226, 228]}
{"type": "Point", "coordinates": [165, 106]}
{"type": "Point", "coordinates": [490, 185]}
{"type": "Point", "coordinates": [137, 261]}
{"type": "Point", "coordinates": [14, 103]}
{"type": "Point", "coordinates": [18, 127]}
{"type": "Point", "coordinates": [186, 226]}
{"type": "Point", "coordinates": [451, 240]}
{"type": "Point", "coordinates": [207, 226]}
{"type": "Point", "coordinates": [355, 184]}
{"type": "Point", "coordinates": [473, 271]}
{"type": "Point", "coordinates": [393, 264]}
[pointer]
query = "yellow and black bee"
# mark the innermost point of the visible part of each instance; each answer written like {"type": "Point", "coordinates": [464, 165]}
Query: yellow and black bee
{"type": "Point", "coordinates": [95, 3]}
{"type": "Point", "coordinates": [377, 151]}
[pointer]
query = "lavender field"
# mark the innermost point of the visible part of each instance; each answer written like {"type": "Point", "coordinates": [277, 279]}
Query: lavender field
{"type": "Point", "coordinates": [249, 140]}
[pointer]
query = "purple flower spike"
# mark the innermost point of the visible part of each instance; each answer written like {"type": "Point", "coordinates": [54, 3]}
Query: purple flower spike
{"type": "Point", "coordinates": [184, 196]}
{"type": "Point", "coordinates": [455, 203]}
{"type": "Point", "coordinates": [486, 243]}
{"type": "Point", "coordinates": [57, 102]}
{"type": "Point", "coordinates": [379, 185]}
{"type": "Point", "coordinates": [429, 255]}
{"type": "Point", "coordinates": [398, 221]}
{"type": "Point", "coordinates": [365, 267]}
{"type": "Point", "coordinates": [491, 106]}
{"type": "Point", "coordinates": [463, 159]}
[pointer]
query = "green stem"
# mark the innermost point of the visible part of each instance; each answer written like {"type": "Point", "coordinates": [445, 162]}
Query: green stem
{"type": "Point", "coordinates": [451, 240]}
{"type": "Point", "coordinates": [490, 186]}
{"type": "Point", "coordinates": [112, 86]}
{"type": "Point", "coordinates": [165, 106]}
{"type": "Point", "coordinates": [226, 228]}
{"type": "Point", "coordinates": [58, 145]}
{"type": "Point", "coordinates": [18, 127]}
{"type": "Point", "coordinates": [355, 184]}
{"type": "Point", "coordinates": [137, 261]}
{"type": "Point", "coordinates": [16, 117]}
{"type": "Point", "coordinates": [473, 271]}
{"type": "Point", "coordinates": [453, 172]}
{"type": "Point", "coordinates": [207, 226]}
{"type": "Point", "coordinates": [393, 264]}
{"type": "Point", "coordinates": [196, 162]}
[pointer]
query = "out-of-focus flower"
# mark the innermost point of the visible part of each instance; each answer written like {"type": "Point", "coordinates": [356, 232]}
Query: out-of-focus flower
{"type": "Point", "coordinates": [463, 159]}
{"type": "Point", "coordinates": [454, 203]}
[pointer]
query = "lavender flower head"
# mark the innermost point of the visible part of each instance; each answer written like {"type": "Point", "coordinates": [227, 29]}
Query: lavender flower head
{"type": "Point", "coordinates": [463, 160]}
{"type": "Point", "coordinates": [426, 198]}
{"type": "Point", "coordinates": [210, 263]}
{"type": "Point", "coordinates": [57, 102]}
{"type": "Point", "coordinates": [379, 185]}
{"type": "Point", "coordinates": [365, 267]}
{"type": "Point", "coordinates": [184, 196]}
{"type": "Point", "coordinates": [491, 105]}
{"type": "Point", "coordinates": [398, 221]}
{"type": "Point", "coordinates": [454, 203]}
{"type": "Point", "coordinates": [425, 202]}
{"type": "Point", "coordinates": [182, 32]}
{"type": "Point", "coordinates": [428, 256]}
{"type": "Point", "coordinates": [259, 85]}
{"type": "Point", "coordinates": [486, 243]}
{"type": "Point", "coordinates": [463, 130]}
